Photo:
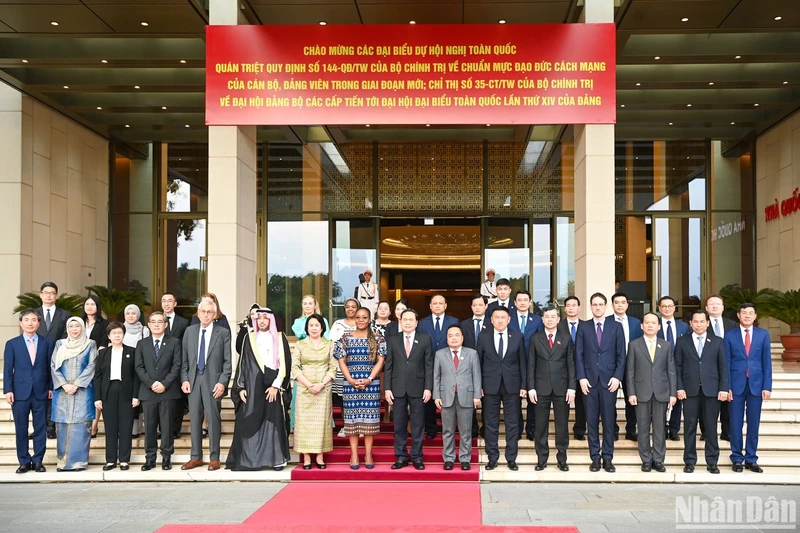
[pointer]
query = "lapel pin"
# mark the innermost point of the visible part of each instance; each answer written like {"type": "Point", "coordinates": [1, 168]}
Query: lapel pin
{"type": "Point", "coordinates": [558, 342]}
{"type": "Point", "coordinates": [658, 345]}
{"type": "Point", "coordinates": [708, 340]}
{"type": "Point", "coordinates": [416, 341]}
{"type": "Point", "coordinates": [127, 356]}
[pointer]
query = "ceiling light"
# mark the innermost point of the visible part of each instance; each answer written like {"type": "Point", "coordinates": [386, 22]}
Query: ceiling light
{"type": "Point", "coordinates": [53, 23]}
{"type": "Point", "coordinates": [187, 126]}
{"type": "Point", "coordinates": [145, 24]}
{"type": "Point", "coordinates": [638, 84]}
{"type": "Point", "coordinates": [488, 125]}
{"type": "Point", "coordinates": [502, 21]}
{"type": "Point", "coordinates": [711, 83]}
{"type": "Point", "coordinates": [103, 61]}
{"type": "Point", "coordinates": [135, 86]}
{"type": "Point", "coordinates": [412, 21]}
{"type": "Point", "coordinates": [183, 61]}
{"type": "Point", "coordinates": [127, 125]}
{"type": "Point", "coordinates": [322, 23]}
{"type": "Point", "coordinates": [67, 87]}
{"type": "Point", "coordinates": [755, 105]}
{"type": "Point", "coordinates": [688, 105]}
{"type": "Point", "coordinates": [738, 57]}
{"type": "Point", "coordinates": [623, 105]}
{"type": "Point", "coordinates": [99, 108]}
{"type": "Point", "coordinates": [732, 123]}
{"type": "Point", "coordinates": [778, 17]}
{"type": "Point", "coordinates": [670, 123]}
{"type": "Point", "coordinates": [163, 107]}
{"type": "Point", "coordinates": [785, 83]}
{"type": "Point", "coordinates": [24, 60]}
{"type": "Point", "coordinates": [685, 19]}
{"type": "Point", "coordinates": [427, 125]}
{"type": "Point", "coordinates": [657, 58]}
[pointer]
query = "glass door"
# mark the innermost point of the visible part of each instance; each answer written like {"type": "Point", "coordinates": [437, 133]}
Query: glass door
{"type": "Point", "coordinates": [353, 252]}
{"type": "Point", "coordinates": [678, 261]}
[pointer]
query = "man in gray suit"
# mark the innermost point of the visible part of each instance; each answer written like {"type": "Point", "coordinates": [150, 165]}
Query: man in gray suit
{"type": "Point", "coordinates": [652, 385]}
{"type": "Point", "coordinates": [205, 373]}
{"type": "Point", "coordinates": [456, 391]}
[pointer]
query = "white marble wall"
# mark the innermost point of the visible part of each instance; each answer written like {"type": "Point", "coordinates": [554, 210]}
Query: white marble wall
{"type": "Point", "coordinates": [777, 176]}
{"type": "Point", "coordinates": [54, 198]}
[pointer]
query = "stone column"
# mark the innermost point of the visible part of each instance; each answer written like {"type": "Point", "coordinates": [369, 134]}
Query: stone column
{"type": "Point", "coordinates": [232, 230]}
{"type": "Point", "coordinates": [594, 194]}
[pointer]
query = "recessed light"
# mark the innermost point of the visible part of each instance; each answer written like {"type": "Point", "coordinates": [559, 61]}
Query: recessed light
{"type": "Point", "coordinates": [638, 84]}
{"type": "Point", "coordinates": [412, 21]}
{"type": "Point", "coordinates": [145, 24]}
{"type": "Point", "coordinates": [427, 125]}
{"type": "Point", "coordinates": [66, 86]}
{"type": "Point", "coordinates": [180, 159]}
{"type": "Point", "coordinates": [24, 60]}
{"type": "Point", "coordinates": [368, 125]}
{"type": "Point", "coordinates": [183, 61]}
{"type": "Point", "coordinates": [670, 123]}
{"type": "Point", "coordinates": [738, 57]}
{"type": "Point", "coordinates": [688, 105]}
{"type": "Point", "coordinates": [711, 83]}
{"type": "Point", "coordinates": [778, 17]}
{"type": "Point", "coordinates": [785, 83]}
{"type": "Point", "coordinates": [685, 19]}
{"type": "Point", "coordinates": [322, 23]}
{"type": "Point", "coordinates": [163, 107]}
{"type": "Point", "coordinates": [135, 86]}
{"type": "Point", "coordinates": [53, 23]}
{"type": "Point", "coordinates": [657, 58]}
{"type": "Point", "coordinates": [502, 21]}
{"type": "Point", "coordinates": [732, 123]}
{"type": "Point", "coordinates": [488, 125]}
{"type": "Point", "coordinates": [187, 126]}
{"type": "Point", "coordinates": [623, 105]}
{"type": "Point", "coordinates": [127, 125]}
{"type": "Point", "coordinates": [755, 105]}
{"type": "Point", "coordinates": [104, 61]}
{"type": "Point", "coordinates": [99, 108]}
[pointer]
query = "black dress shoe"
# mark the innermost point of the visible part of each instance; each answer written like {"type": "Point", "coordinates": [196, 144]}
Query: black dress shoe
{"type": "Point", "coordinates": [580, 436]}
{"type": "Point", "coordinates": [465, 465]}
{"type": "Point", "coordinates": [448, 465]}
{"type": "Point", "coordinates": [176, 435]}
{"type": "Point", "coordinates": [166, 464]}
{"type": "Point", "coordinates": [674, 437]}
{"type": "Point", "coordinates": [51, 434]}
{"type": "Point", "coordinates": [491, 465]}
{"type": "Point", "coordinates": [24, 468]}
{"type": "Point", "coordinates": [148, 465]}
{"type": "Point", "coordinates": [595, 466]}
{"type": "Point", "coordinates": [430, 436]}
{"type": "Point", "coordinates": [307, 467]}
{"type": "Point", "coordinates": [124, 467]}
{"type": "Point", "coordinates": [399, 464]}
{"type": "Point", "coordinates": [631, 436]}
{"type": "Point", "coordinates": [419, 465]}
{"type": "Point", "coordinates": [512, 465]}
{"type": "Point", "coordinates": [616, 437]}
{"type": "Point", "coordinates": [277, 468]}
{"type": "Point", "coordinates": [646, 467]}
{"type": "Point", "coordinates": [529, 436]}
{"type": "Point", "coordinates": [753, 467]}
{"type": "Point", "coordinates": [30, 436]}
{"type": "Point", "coordinates": [738, 467]}
{"type": "Point", "coordinates": [725, 436]}
{"type": "Point", "coordinates": [38, 467]}
{"type": "Point", "coordinates": [481, 431]}
{"type": "Point", "coordinates": [109, 466]}
{"type": "Point", "coordinates": [608, 466]}
{"type": "Point", "coordinates": [659, 467]}
{"type": "Point", "coordinates": [540, 466]}
{"type": "Point", "coordinates": [714, 469]}
{"type": "Point", "coordinates": [564, 467]}
{"type": "Point", "coordinates": [689, 469]}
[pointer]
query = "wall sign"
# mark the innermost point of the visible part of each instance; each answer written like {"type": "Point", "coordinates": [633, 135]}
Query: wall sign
{"type": "Point", "coordinates": [411, 74]}
{"type": "Point", "coordinates": [784, 208]}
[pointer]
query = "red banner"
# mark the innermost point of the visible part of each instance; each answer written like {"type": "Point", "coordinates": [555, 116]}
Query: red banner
{"type": "Point", "coordinates": [411, 74]}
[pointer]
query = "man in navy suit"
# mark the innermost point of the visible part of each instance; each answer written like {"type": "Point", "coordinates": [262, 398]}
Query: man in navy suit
{"type": "Point", "coordinates": [671, 329]}
{"type": "Point", "coordinates": [632, 327]}
{"type": "Point", "coordinates": [527, 323]}
{"type": "Point", "coordinates": [599, 366]}
{"type": "Point", "coordinates": [471, 328]}
{"type": "Point", "coordinates": [750, 371]}
{"type": "Point", "coordinates": [28, 386]}
{"type": "Point", "coordinates": [718, 326]}
{"type": "Point", "coordinates": [436, 326]}
{"type": "Point", "coordinates": [504, 367]}
{"type": "Point", "coordinates": [503, 297]}
{"type": "Point", "coordinates": [53, 325]}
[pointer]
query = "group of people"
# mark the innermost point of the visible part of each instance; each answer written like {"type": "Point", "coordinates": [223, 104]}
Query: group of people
{"type": "Point", "coordinates": [67, 371]}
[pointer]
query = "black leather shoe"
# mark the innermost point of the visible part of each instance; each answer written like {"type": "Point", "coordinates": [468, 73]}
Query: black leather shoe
{"type": "Point", "coordinates": [419, 465]}
{"type": "Point", "coordinates": [307, 467]}
{"type": "Point", "coordinates": [725, 436]}
{"type": "Point", "coordinates": [430, 436]}
{"type": "Point", "coordinates": [689, 469]}
{"type": "Point", "coordinates": [124, 467]}
{"type": "Point", "coordinates": [529, 436]}
{"type": "Point", "coordinates": [51, 434]}
{"type": "Point", "coordinates": [465, 465]}
{"type": "Point", "coordinates": [149, 465]}
{"type": "Point", "coordinates": [512, 465]}
{"type": "Point", "coordinates": [674, 437]}
{"type": "Point", "coordinates": [109, 466]}
{"type": "Point", "coordinates": [491, 465]}
{"type": "Point", "coordinates": [166, 464]}
{"type": "Point", "coordinates": [595, 466]}
{"type": "Point", "coordinates": [564, 467]}
{"type": "Point", "coordinates": [540, 466]}
{"type": "Point", "coordinates": [481, 431]}
{"type": "Point", "coordinates": [738, 467]}
{"type": "Point", "coordinates": [176, 435]}
{"type": "Point", "coordinates": [277, 468]}
{"type": "Point", "coordinates": [753, 467]}
{"type": "Point", "coordinates": [659, 467]}
{"type": "Point", "coordinates": [608, 466]}
{"type": "Point", "coordinates": [38, 467]}
{"type": "Point", "coordinates": [580, 436]}
{"type": "Point", "coordinates": [448, 465]}
{"type": "Point", "coordinates": [631, 436]}
{"type": "Point", "coordinates": [714, 469]}
{"type": "Point", "coordinates": [646, 467]}
{"type": "Point", "coordinates": [24, 468]}
{"type": "Point", "coordinates": [399, 464]}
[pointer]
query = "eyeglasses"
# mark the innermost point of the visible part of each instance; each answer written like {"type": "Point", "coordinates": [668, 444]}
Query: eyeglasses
{"type": "Point", "coordinates": [156, 322]}
{"type": "Point", "coordinates": [49, 293]}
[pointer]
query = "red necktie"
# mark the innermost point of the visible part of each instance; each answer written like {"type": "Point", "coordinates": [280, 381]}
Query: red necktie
{"type": "Point", "coordinates": [550, 339]}
{"type": "Point", "coordinates": [455, 362]}
{"type": "Point", "coordinates": [747, 348]}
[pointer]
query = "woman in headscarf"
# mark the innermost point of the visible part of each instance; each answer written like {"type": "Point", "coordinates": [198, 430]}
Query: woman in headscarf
{"type": "Point", "coordinates": [134, 332]}
{"type": "Point", "coordinates": [72, 367]}
{"type": "Point", "coordinates": [260, 395]}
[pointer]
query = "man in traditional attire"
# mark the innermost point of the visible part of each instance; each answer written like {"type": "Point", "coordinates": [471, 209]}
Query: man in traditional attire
{"type": "Point", "coordinates": [260, 395]}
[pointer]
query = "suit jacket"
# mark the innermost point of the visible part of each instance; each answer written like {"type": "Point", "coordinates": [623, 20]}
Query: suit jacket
{"type": "Point", "coordinates": [178, 327]}
{"type": "Point", "coordinates": [758, 363]}
{"type": "Point", "coordinates": [411, 375]}
{"type": "Point", "coordinates": [102, 374]}
{"type": "Point", "coordinates": [438, 340]}
{"type": "Point", "coordinates": [166, 369]}
{"type": "Point", "coordinates": [468, 330]}
{"type": "Point", "coordinates": [533, 323]}
{"type": "Point", "coordinates": [551, 371]}
{"type": "Point", "coordinates": [648, 378]}
{"type": "Point", "coordinates": [634, 328]}
{"type": "Point", "coordinates": [564, 327]}
{"type": "Point", "coordinates": [218, 356]}
{"type": "Point", "coordinates": [467, 378]}
{"type": "Point", "coordinates": [58, 325]}
{"type": "Point", "coordinates": [511, 370]}
{"type": "Point", "coordinates": [599, 363]}
{"type": "Point", "coordinates": [23, 378]}
{"type": "Point", "coordinates": [681, 328]}
{"type": "Point", "coordinates": [98, 334]}
{"type": "Point", "coordinates": [707, 374]}
{"type": "Point", "coordinates": [727, 324]}
{"type": "Point", "coordinates": [512, 308]}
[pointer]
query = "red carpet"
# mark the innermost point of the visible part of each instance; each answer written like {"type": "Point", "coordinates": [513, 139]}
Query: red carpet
{"type": "Point", "coordinates": [389, 507]}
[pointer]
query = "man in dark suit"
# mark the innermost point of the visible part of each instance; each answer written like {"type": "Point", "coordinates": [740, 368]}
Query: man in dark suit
{"type": "Point", "coordinates": [652, 385]}
{"type": "Point", "coordinates": [53, 325]}
{"type": "Point", "coordinates": [503, 297]}
{"type": "Point", "coordinates": [527, 323]}
{"type": "Point", "coordinates": [176, 326]}
{"type": "Point", "coordinates": [717, 327]}
{"type": "Point", "coordinates": [702, 385]}
{"type": "Point", "coordinates": [408, 384]}
{"type": "Point", "coordinates": [569, 327]}
{"type": "Point", "coordinates": [671, 329]}
{"type": "Point", "coordinates": [599, 366]}
{"type": "Point", "coordinates": [632, 327]}
{"type": "Point", "coordinates": [158, 365]}
{"type": "Point", "coordinates": [205, 373]}
{"type": "Point", "coordinates": [551, 376]}
{"type": "Point", "coordinates": [747, 349]}
{"type": "Point", "coordinates": [504, 367]}
{"type": "Point", "coordinates": [471, 328]}
{"type": "Point", "coordinates": [28, 386]}
{"type": "Point", "coordinates": [435, 326]}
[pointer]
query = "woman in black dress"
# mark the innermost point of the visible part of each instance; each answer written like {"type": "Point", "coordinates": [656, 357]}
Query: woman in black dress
{"type": "Point", "coordinates": [95, 330]}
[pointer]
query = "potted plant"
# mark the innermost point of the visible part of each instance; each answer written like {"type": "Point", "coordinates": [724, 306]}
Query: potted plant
{"type": "Point", "coordinates": [71, 303]}
{"type": "Point", "coordinates": [735, 295]}
{"type": "Point", "coordinates": [114, 301]}
{"type": "Point", "coordinates": [785, 307]}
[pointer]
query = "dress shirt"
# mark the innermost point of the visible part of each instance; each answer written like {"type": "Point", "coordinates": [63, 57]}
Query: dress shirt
{"type": "Point", "coordinates": [27, 338]}
{"type": "Point", "coordinates": [719, 332]}
{"type": "Point", "coordinates": [696, 337]}
{"type": "Point", "coordinates": [160, 341]}
{"type": "Point", "coordinates": [625, 327]}
{"type": "Point", "coordinates": [497, 342]}
{"type": "Point", "coordinates": [742, 328]}
{"type": "Point", "coordinates": [671, 326]}
{"type": "Point", "coordinates": [503, 303]}
{"type": "Point", "coordinates": [651, 341]}
{"type": "Point", "coordinates": [170, 319]}
{"type": "Point", "coordinates": [208, 339]}
{"type": "Point", "coordinates": [479, 319]}
{"type": "Point", "coordinates": [434, 316]}
{"type": "Point", "coordinates": [116, 364]}
{"type": "Point", "coordinates": [410, 340]}
{"type": "Point", "coordinates": [88, 329]}
{"type": "Point", "coordinates": [602, 325]}
{"type": "Point", "coordinates": [52, 309]}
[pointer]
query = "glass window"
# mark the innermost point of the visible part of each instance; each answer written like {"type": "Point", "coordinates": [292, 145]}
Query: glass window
{"type": "Point", "coordinates": [678, 252]}
{"type": "Point", "coordinates": [542, 265]}
{"type": "Point", "coordinates": [353, 252]}
{"type": "Point", "coordinates": [184, 261]}
{"type": "Point", "coordinates": [732, 256]}
{"type": "Point", "coordinates": [565, 257]}
{"type": "Point", "coordinates": [508, 251]}
{"type": "Point", "coordinates": [732, 177]}
{"type": "Point", "coordinates": [185, 186]}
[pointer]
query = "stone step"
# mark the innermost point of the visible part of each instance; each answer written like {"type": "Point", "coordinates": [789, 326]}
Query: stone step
{"type": "Point", "coordinates": [673, 458]}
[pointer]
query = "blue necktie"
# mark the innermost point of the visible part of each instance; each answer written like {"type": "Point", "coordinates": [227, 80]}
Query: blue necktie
{"type": "Point", "coordinates": [670, 336]}
{"type": "Point", "coordinates": [500, 347]}
{"type": "Point", "coordinates": [522, 323]}
{"type": "Point", "coordinates": [572, 331]}
{"type": "Point", "coordinates": [438, 327]}
{"type": "Point", "coordinates": [201, 361]}
{"type": "Point", "coordinates": [477, 328]}
{"type": "Point", "coordinates": [156, 348]}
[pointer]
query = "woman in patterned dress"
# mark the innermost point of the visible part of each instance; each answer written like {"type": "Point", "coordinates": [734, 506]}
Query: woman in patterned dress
{"type": "Point", "coordinates": [313, 368]}
{"type": "Point", "coordinates": [338, 329]}
{"type": "Point", "coordinates": [361, 355]}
